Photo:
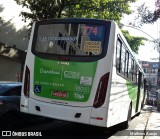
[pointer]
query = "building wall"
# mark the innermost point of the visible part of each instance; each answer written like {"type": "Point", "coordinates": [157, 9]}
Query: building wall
{"type": "Point", "coordinates": [9, 69]}
{"type": "Point", "coordinates": [151, 71]}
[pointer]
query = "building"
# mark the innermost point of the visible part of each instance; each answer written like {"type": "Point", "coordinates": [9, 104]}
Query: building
{"type": "Point", "coordinates": [151, 71]}
{"type": "Point", "coordinates": [11, 63]}
{"type": "Point", "coordinates": [13, 44]}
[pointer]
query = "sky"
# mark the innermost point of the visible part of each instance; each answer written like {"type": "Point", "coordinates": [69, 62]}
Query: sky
{"type": "Point", "coordinates": [14, 32]}
{"type": "Point", "coordinates": [147, 52]}
{"type": "Point", "coordinates": [11, 11]}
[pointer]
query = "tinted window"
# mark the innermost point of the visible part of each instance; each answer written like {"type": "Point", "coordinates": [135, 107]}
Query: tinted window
{"type": "Point", "coordinates": [125, 63]}
{"type": "Point", "coordinates": [123, 60]}
{"type": "Point", "coordinates": [16, 91]}
{"type": "Point", "coordinates": [70, 39]}
{"type": "Point", "coordinates": [118, 54]}
{"type": "Point", "coordinates": [130, 68]}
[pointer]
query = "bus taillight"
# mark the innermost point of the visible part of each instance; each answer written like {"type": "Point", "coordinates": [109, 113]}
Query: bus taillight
{"type": "Point", "coordinates": [101, 91]}
{"type": "Point", "coordinates": [27, 82]}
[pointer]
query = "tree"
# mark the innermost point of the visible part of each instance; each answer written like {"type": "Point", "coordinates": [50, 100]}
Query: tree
{"type": "Point", "coordinates": [101, 9]}
{"type": "Point", "coordinates": [46, 9]}
{"type": "Point", "coordinates": [147, 16]}
{"type": "Point", "coordinates": [133, 41]}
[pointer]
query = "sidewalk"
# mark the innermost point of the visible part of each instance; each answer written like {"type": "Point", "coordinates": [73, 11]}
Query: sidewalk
{"type": "Point", "coordinates": [154, 120]}
{"type": "Point", "coordinates": [149, 125]}
{"type": "Point", "coordinates": [146, 126]}
{"type": "Point", "coordinates": [153, 124]}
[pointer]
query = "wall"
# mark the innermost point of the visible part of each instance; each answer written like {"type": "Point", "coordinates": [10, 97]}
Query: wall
{"type": "Point", "coordinates": [9, 68]}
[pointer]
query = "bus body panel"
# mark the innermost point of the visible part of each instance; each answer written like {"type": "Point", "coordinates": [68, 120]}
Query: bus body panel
{"type": "Point", "coordinates": [64, 81]}
{"type": "Point", "coordinates": [102, 67]}
{"type": "Point", "coordinates": [99, 117]}
{"type": "Point", "coordinates": [122, 93]}
{"type": "Point", "coordinates": [115, 99]}
{"type": "Point", "coordinates": [67, 81]}
{"type": "Point", "coordinates": [61, 112]}
{"type": "Point", "coordinates": [30, 63]}
{"type": "Point", "coordinates": [54, 83]}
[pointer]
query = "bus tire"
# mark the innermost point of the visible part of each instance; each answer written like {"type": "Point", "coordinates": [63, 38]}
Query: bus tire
{"type": "Point", "coordinates": [127, 123]}
{"type": "Point", "coordinates": [142, 105]}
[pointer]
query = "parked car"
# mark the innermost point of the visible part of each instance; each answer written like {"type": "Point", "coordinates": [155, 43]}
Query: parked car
{"type": "Point", "coordinates": [10, 115]}
{"type": "Point", "coordinates": [152, 98]}
{"type": "Point", "coordinates": [9, 104]}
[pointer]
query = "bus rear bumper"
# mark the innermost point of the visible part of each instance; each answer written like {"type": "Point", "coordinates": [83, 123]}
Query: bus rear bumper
{"type": "Point", "coordinates": [99, 117]}
{"type": "Point", "coordinates": [24, 104]}
{"type": "Point", "coordinates": [61, 112]}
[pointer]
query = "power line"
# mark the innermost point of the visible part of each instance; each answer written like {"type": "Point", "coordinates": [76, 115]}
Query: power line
{"type": "Point", "coordinates": [134, 27]}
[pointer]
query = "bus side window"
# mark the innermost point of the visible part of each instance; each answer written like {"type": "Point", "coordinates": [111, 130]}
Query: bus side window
{"type": "Point", "coordinates": [126, 63]}
{"type": "Point", "coordinates": [123, 60]}
{"type": "Point", "coordinates": [136, 75]}
{"type": "Point", "coordinates": [130, 68]}
{"type": "Point", "coordinates": [118, 55]}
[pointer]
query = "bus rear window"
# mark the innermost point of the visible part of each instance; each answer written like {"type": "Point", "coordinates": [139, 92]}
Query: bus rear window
{"type": "Point", "coordinates": [70, 39]}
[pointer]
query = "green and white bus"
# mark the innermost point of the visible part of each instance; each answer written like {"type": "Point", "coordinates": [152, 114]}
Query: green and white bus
{"type": "Point", "coordinates": [81, 70]}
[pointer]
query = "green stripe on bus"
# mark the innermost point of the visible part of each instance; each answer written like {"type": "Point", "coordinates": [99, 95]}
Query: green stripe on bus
{"type": "Point", "coordinates": [132, 91]}
{"type": "Point", "coordinates": [61, 80]}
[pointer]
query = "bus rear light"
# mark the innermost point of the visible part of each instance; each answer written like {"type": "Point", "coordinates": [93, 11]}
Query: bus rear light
{"type": "Point", "coordinates": [99, 118]}
{"type": "Point", "coordinates": [26, 82]}
{"type": "Point", "coordinates": [101, 91]}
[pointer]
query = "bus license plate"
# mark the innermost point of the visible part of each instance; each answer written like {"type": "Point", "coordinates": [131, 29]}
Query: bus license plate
{"type": "Point", "coordinates": [59, 94]}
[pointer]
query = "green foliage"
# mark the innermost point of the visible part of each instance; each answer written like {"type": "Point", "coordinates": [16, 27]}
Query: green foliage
{"type": "Point", "coordinates": [133, 41]}
{"type": "Point", "coordinates": [46, 9]}
{"type": "Point", "coordinates": [147, 16]}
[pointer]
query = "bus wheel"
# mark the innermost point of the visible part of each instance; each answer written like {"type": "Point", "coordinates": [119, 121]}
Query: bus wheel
{"type": "Point", "coordinates": [127, 123]}
{"type": "Point", "coordinates": [142, 105]}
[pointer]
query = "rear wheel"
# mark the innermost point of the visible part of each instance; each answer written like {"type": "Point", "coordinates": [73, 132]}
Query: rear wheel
{"type": "Point", "coordinates": [127, 123]}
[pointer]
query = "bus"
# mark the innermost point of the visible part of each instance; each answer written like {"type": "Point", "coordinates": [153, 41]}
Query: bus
{"type": "Point", "coordinates": [82, 71]}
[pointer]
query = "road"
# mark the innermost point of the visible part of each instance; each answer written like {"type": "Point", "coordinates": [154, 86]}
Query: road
{"type": "Point", "coordinates": [69, 130]}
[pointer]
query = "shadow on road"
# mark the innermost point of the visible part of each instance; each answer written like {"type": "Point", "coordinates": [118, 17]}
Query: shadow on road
{"type": "Point", "coordinates": [62, 129]}
{"type": "Point", "coordinates": [79, 130]}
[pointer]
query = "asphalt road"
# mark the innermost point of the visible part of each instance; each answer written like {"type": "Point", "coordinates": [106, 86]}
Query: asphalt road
{"type": "Point", "coordinates": [61, 129]}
